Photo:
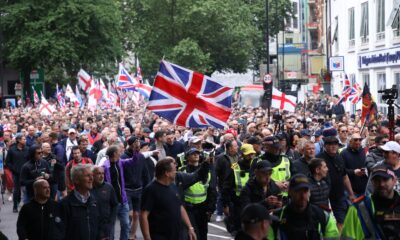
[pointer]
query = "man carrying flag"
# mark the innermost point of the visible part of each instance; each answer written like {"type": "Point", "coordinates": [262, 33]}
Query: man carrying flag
{"type": "Point", "coordinates": [369, 109]}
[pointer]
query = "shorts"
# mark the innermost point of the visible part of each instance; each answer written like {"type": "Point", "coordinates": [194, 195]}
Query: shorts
{"type": "Point", "coordinates": [134, 199]}
{"type": "Point", "coordinates": [339, 208]}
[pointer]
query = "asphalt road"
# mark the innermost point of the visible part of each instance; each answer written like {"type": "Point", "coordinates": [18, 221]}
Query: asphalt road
{"type": "Point", "coordinates": [216, 231]}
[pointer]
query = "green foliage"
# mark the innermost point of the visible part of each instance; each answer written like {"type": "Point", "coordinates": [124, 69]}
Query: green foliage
{"type": "Point", "coordinates": [188, 53]}
{"type": "Point", "coordinates": [203, 35]}
{"type": "Point", "coordinates": [62, 36]}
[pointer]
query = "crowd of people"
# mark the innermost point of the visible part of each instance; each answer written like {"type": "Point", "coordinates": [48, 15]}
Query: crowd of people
{"type": "Point", "coordinates": [316, 173]}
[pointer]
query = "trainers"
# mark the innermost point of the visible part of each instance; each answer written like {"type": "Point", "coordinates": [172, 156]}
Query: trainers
{"type": "Point", "coordinates": [219, 218]}
{"type": "Point", "coordinates": [10, 198]}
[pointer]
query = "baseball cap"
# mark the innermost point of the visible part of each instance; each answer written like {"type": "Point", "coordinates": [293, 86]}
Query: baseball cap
{"type": "Point", "coordinates": [71, 130]}
{"type": "Point", "coordinates": [263, 166]}
{"type": "Point", "coordinates": [254, 213]}
{"type": "Point", "coordinates": [247, 149]}
{"type": "Point", "coordinates": [65, 127]}
{"type": "Point", "coordinates": [253, 140]}
{"type": "Point", "coordinates": [191, 151]}
{"type": "Point", "coordinates": [391, 146]}
{"type": "Point", "coordinates": [131, 140]}
{"type": "Point", "coordinates": [330, 140]}
{"type": "Point", "coordinates": [272, 141]}
{"type": "Point", "coordinates": [382, 171]}
{"type": "Point", "coordinates": [143, 143]}
{"type": "Point", "coordinates": [305, 132]}
{"type": "Point", "coordinates": [146, 130]}
{"type": "Point", "coordinates": [232, 131]}
{"type": "Point", "coordinates": [299, 181]}
{"type": "Point", "coordinates": [194, 139]}
{"type": "Point", "coordinates": [318, 133]}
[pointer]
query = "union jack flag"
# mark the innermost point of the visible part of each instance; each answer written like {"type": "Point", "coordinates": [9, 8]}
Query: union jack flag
{"type": "Point", "coordinates": [345, 91]}
{"type": "Point", "coordinates": [188, 98]}
{"type": "Point", "coordinates": [355, 93]}
{"type": "Point", "coordinates": [124, 80]}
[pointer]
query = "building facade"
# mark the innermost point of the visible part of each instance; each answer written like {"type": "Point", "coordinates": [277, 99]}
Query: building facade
{"type": "Point", "coordinates": [362, 33]}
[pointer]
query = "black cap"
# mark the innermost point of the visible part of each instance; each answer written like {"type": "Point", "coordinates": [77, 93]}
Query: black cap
{"type": "Point", "coordinates": [272, 141]}
{"type": "Point", "coordinates": [132, 139]}
{"type": "Point", "coordinates": [191, 151]}
{"type": "Point", "coordinates": [382, 171]}
{"type": "Point", "coordinates": [330, 140]}
{"type": "Point", "coordinates": [254, 213]}
{"type": "Point", "coordinates": [253, 140]}
{"type": "Point", "coordinates": [263, 166]}
{"type": "Point", "coordinates": [146, 130]}
{"type": "Point", "coordinates": [299, 181]}
{"type": "Point", "coordinates": [143, 143]}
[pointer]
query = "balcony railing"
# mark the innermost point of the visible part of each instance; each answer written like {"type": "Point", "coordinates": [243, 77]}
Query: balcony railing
{"type": "Point", "coordinates": [380, 36]}
{"type": "Point", "coordinates": [352, 43]}
{"type": "Point", "coordinates": [364, 40]}
{"type": "Point", "coordinates": [396, 33]}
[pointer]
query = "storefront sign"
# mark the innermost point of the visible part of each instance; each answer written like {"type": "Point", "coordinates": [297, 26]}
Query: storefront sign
{"type": "Point", "coordinates": [383, 58]}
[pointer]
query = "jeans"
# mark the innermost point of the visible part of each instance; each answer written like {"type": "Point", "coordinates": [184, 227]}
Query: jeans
{"type": "Point", "coordinates": [123, 217]}
{"type": "Point", "coordinates": [17, 190]}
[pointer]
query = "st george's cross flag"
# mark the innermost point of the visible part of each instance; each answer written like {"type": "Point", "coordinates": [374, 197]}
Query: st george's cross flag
{"type": "Point", "coordinates": [45, 107]}
{"type": "Point", "coordinates": [84, 80]}
{"type": "Point", "coordinates": [282, 101]}
{"type": "Point", "coordinates": [190, 99]}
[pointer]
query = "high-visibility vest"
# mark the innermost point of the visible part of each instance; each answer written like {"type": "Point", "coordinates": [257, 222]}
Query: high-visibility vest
{"type": "Point", "coordinates": [197, 193]}
{"type": "Point", "coordinates": [241, 178]}
{"type": "Point", "coordinates": [281, 172]}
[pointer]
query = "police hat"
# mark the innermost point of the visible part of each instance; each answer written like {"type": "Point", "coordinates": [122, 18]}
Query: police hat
{"type": "Point", "coordinates": [254, 213]}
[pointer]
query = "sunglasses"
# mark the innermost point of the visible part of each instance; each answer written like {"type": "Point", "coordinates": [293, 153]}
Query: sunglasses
{"type": "Point", "coordinates": [290, 122]}
{"type": "Point", "coordinates": [373, 130]}
{"type": "Point", "coordinates": [344, 131]}
{"type": "Point", "coordinates": [357, 139]}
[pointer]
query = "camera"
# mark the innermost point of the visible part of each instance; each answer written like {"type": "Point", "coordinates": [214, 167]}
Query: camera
{"type": "Point", "coordinates": [277, 117]}
{"type": "Point", "coordinates": [389, 94]}
{"type": "Point", "coordinates": [208, 150]}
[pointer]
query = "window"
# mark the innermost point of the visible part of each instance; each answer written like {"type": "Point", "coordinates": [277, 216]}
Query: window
{"type": "Point", "coordinates": [295, 8]}
{"type": "Point", "coordinates": [351, 24]}
{"type": "Point", "coordinates": [365, 78]}
{"type": "Point", "coordinates": [295, 22]}
{"type": "Point", "coordinates": [364, 31]}
{"type": "Point", "coordinates": [381, 85]}
{"type": "Point", "coordinates": [289, 40]}
{"type": "Point", "coordinates": [380, 20]}
{"type": "Point", "coordinates": [380, 16]}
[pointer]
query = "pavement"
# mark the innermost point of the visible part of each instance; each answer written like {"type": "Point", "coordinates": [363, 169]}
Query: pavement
{"type": "Point", "coordinates": [216, 231]}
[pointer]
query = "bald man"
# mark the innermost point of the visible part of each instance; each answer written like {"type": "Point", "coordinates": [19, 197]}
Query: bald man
{"type": "Point", "coordinates": [39, 219]}
{"type": "Point", "coordinates": [354, 159]}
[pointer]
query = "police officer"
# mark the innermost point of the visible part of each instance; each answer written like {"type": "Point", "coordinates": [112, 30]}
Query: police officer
{"type": "Point", "coordinates": [236, 178]}
{"type": "Point", "coordinates": [281, 165]}
{"type": "Point", "coordinates": [301, 220]}
{"type": "Point", "coordinates": [376, 216]}
{"type": "Point", "coordinates": [200, 198]}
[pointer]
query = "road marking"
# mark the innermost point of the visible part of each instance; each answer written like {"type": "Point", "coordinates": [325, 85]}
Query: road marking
{"type": "Point", "coordinates": [216, 226]}
{"type": "Point", "coordinates": [218, 236]}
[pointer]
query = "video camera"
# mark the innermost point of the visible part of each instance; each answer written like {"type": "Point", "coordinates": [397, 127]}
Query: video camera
{"type": "Point", "coordinates": [389, 94]}
{"type": "Point", "coordinates": [208, 150]}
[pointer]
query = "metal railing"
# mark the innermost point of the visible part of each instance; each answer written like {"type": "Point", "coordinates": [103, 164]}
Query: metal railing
{"type": "Point", "coordinates": [380, 36]}
{"type": "Point", "coordinates": [364, 40]}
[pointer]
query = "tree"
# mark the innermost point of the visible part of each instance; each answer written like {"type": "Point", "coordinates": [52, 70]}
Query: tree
{"type": "Point", "coordinates": [62, 36]}
{"type": "Point", "coordinates": [220, 30]}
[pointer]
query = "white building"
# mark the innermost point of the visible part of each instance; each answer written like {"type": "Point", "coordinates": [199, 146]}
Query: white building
{"type": "Point", "coordinates": [361, 32]}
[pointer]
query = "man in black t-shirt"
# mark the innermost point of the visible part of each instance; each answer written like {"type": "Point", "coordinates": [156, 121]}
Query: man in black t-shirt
{"type": "Point", "coordinates": [337, 178]}
{"type": "Point", "coordinates": [162, 211]}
